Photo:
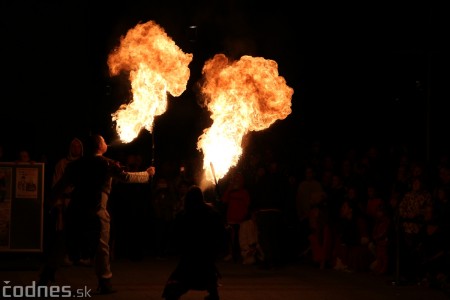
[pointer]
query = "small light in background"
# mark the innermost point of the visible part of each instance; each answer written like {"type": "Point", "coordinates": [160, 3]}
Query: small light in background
{"type": "Point", "coordinates": [192, 33]}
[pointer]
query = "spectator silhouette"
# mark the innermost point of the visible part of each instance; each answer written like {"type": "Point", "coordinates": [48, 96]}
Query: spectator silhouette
{"type": "Point", "coordinates": [237, 201]}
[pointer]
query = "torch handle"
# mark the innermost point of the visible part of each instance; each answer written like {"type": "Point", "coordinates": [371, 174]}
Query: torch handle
{"type": "Point", "coordinates": [152, 163]}
{"type": "Point", "coordinates": [213, 172]}
{"type": "Point", "coordinates": [215, 182]}
{"type": "Point", "coordinates": [152, 158]}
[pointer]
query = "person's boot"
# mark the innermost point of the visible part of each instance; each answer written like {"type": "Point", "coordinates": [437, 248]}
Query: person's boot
{"type": "Point", "coordinates": [105, 286]}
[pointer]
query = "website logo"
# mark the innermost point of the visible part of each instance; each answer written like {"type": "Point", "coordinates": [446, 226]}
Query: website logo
{"type": "Point", "coordinates": [34, 291]}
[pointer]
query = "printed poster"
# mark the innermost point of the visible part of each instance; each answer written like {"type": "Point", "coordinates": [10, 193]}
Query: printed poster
{"type": "Point", "coordinates": [26, 183]}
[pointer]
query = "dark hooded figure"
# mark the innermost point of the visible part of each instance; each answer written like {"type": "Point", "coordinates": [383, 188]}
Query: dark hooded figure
{"type": "Point", "coordinates": [199, 231]}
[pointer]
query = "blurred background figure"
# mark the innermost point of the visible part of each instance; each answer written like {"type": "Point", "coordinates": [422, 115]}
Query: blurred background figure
{"type": "Point", "coordinates": [75, 151]}
{"type": "Point", "coordinates": [237, 203]}
{"type": "Point", "coordinates": [165, 206]}
{"type": "Point", "coordinates": [251, 251]}
{"type": "Point", "coordinates": [24, 156]}
{"type": "Point", "coordinates": [56, 230]}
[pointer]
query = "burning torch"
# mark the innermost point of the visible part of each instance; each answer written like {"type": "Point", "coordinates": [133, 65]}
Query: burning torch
{"type": "Point", "coordinates": [156, 67]}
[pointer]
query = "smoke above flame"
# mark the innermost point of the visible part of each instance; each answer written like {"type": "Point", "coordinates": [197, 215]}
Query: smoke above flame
{"type": "Point", "coordinates": [242, 96]}
{"type": "Point", "coordinates": [156, 66]}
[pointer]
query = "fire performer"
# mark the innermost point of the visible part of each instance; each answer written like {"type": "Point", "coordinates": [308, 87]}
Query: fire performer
{"type": "Point", "coordinates": [91, 179]}
{"type": "Point", "coordinates": [199, 233]}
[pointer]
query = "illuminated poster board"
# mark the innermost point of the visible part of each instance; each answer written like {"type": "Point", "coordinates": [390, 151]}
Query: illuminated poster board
{"type": "Point", "coordinates": [21, 206]}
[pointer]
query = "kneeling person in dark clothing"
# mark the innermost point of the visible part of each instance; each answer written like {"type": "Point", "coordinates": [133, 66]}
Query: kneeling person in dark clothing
{"type": "Point", "coordinates": [200, 232]}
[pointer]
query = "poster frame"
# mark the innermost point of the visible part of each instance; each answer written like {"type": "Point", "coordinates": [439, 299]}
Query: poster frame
{"type": "Point", "coordinates": [22, 206]}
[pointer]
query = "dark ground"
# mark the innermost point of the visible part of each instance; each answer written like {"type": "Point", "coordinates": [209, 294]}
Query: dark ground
{"type": "Point", "coordinates": [145, 280]}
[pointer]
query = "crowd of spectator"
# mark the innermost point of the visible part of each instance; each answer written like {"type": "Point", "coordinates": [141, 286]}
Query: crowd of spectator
{"type": "Point", "coordinates": [380, 209]}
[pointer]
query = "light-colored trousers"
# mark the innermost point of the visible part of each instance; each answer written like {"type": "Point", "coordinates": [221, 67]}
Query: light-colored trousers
{"type": "Point", "coordinates": [102, 262]}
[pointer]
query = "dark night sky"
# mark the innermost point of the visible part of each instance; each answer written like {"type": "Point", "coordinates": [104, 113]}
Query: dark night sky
{"type": "Point", "coordinates": [358, 72]}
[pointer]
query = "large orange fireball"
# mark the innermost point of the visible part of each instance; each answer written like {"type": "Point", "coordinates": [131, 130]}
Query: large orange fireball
{"type": "Point", "coordinates": [156, 66]}
{"type": "Point", "coordinates": [242, 96]}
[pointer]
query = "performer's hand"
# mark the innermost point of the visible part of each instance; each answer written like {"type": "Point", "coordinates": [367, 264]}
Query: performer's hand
{"type": "Point", "coordinates": [151, 171]}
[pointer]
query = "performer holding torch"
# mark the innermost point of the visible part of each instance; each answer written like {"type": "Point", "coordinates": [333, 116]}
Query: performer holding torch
{"type": "Point", "coordinates": [91, 178]}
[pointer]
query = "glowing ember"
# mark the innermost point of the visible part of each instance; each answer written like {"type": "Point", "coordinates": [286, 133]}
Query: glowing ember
{"type": "Point", "coordinates": [157, 66]}
{"type": "Point", "coordinates": [242, 96]}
